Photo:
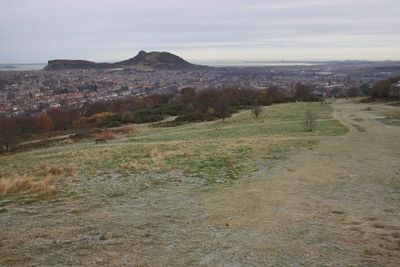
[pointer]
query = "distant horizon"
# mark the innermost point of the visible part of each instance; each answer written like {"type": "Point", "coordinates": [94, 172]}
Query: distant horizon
{"type": "Point", "coordinates": [217, 64]}
{"type": "Point", "coordinates": [212, 62]}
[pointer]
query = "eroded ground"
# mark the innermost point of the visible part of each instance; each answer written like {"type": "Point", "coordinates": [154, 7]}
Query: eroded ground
{"type": "Point", "coordinates": [336, 205]}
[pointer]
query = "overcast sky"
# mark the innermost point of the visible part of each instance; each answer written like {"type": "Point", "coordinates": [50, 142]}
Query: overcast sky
{"type": "Point", "coordinates": [199, 30]}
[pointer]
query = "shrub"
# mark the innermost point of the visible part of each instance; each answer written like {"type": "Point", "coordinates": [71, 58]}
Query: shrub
{"type": "Point", "coordinates": [197, 117]}
{"type": "Point", "coordinates": [210, 110]}
{"type": "Point", "coordinates": [189, 109]}
{"type": "Point", "coordinates": [127, 117]}
{"type": "Point", "coordinates": [112, 123]}
{"type": "Point", "coordinates": [103, 136]}
{"type": "Point", "coordinates": [142, 117]}
{"type": "Point", "coordinates": [101, 119]}
{"type": "Point", "coordinates": [194, 117]}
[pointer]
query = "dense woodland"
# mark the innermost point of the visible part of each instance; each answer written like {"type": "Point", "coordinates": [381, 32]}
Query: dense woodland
{"type": "Point", "coordinates": [189, 106]}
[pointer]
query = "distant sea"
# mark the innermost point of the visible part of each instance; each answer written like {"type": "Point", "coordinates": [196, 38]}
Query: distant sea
{"type": "Point", "coordinates": [258, 63]}
{"type": "Point", "coordinates": [22, 67]}
{"type": "Point", "coordinates": [39, 66]}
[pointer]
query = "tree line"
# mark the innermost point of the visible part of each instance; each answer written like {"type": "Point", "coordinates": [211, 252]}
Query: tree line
{"type": "Point", "coordinates": [384, 89]}
{"type": "Point", "coordinates": [188, 106]}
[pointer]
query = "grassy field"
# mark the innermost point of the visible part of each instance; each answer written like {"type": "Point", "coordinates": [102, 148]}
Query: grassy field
{"type": "Point", "coordinates": [392, 118]}
{"type": "Point", "coordinates": [82, 198]}
{"type": "Point", "coordinates": [244, 192]}
{"type": "Point", "coordinates": [209, 153]}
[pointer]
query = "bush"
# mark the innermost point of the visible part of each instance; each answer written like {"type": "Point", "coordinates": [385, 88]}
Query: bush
{"type": "Point", "coordinates": [112, 123]}
{"type": "Point", "coordinates": [107, 119]}
{"type": "Point", "coordinates": [103, 136]}
{"type": "Point", "coordinates": [195, 117]}
{"type": "Point", "coordinates": [147, 118]}
{"type": "Point", "coordinates": [127, 117]}
{"type": "Point", "coordinates": [157, 113]}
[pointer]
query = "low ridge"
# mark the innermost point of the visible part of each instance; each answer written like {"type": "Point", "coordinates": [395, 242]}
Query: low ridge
{"type": "Point", "coordinates": [153, 60]}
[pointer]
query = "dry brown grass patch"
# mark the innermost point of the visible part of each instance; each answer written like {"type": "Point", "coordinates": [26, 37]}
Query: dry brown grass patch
{"type": "Point", "coordinates": [393, 114]}
{"type": "Point", "coordinates": [157, 158]}
{"type": "Point", "coordinates": [103, 136]}
{"type": "Point", "coordinates": [25, 184]}
{"type": "Point", "coordinates": [60, 170]}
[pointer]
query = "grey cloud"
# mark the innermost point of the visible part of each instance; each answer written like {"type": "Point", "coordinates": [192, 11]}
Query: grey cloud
{"type": "Point", "coordinates": [35, 31]}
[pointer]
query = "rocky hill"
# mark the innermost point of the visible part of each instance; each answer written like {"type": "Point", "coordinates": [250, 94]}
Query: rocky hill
{"type": "Point", "coordinates": [66, 64]}
{"type": "Point", "coordinates": [152, 60]}
{"type": "Point", "coordinates": [159, 60]}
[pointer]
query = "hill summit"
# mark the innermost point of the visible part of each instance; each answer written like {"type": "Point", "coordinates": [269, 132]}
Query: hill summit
{"type": "Point", "coordinates": [158, 60]}
{"type": "Point", "coordinates": [152, 60]}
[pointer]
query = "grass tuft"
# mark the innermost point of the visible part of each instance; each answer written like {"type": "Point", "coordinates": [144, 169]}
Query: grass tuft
{"type": "Point", "coordinates": [25, 184]}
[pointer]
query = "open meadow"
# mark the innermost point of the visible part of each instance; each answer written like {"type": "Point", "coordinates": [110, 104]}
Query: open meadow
{"type": "Point", "coordinates": [239, 192]}
{"type": "Point", "coordinates": [210, 153]}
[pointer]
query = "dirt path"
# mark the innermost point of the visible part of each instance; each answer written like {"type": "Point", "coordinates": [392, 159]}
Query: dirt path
{"type": "Point", "coordinates": [337, 205]}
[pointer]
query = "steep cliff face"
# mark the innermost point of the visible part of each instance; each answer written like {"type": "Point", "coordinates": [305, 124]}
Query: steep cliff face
{"type": "Point", "coordinates": [65, 64]}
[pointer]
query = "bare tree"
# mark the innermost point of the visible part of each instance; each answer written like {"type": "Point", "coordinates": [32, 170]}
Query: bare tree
{"type": "Point", "coordinates": [188, 95]}
{"type": "Point", "coordinates": [310, 120]}
{"type": "Point", "coordinates": [44, 123]}
{"type": "Point", "coordinates": [8, 134]}
{"type": "Point", "coordinates": [222, 107]}
{"type": "Point", "coordinates": [354, 91]}
{"type": "Point", "coordinates": [302, 92]}
{"type": "Point", "coordinates": [257, 110]}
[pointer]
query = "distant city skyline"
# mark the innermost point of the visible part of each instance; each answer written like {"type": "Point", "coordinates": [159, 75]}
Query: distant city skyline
{"type": "Point", "coordinates": [200, 31]}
